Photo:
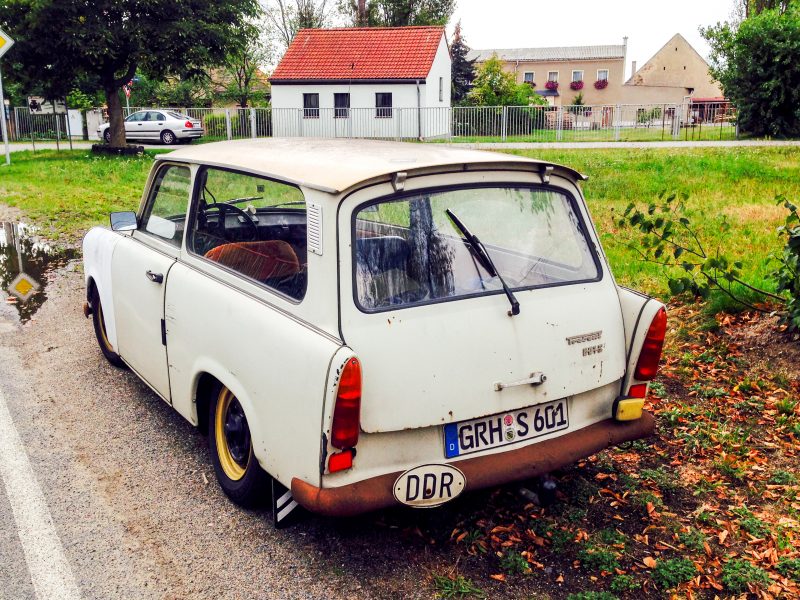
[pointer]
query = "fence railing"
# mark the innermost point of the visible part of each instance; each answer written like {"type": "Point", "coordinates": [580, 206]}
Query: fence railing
{"type": "Point", "coordinates": [620, 122]}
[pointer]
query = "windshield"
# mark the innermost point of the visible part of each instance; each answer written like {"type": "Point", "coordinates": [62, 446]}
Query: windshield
{"type": "Point", "coordinates": [408, 250]}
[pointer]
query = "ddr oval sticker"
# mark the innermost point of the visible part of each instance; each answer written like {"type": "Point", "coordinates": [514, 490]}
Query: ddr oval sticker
{"type": "Point", "coordinates": [429, 485]}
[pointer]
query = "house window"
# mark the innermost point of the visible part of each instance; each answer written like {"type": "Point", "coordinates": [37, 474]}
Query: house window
{"type": "Point", "coordinates": [577, 76]}
{"type": "Point", "coordinates": [528, 77]}
{"type": "Point", "coordinates": [602, 75]}
{"type": "Point", "coordinates": [552, 76]}
{"type": "Point", "coordinates": [383, 105]}
{"type": "Point", "coordinates": [311, 106]}
{"type": "Point", "coordinates": [441, 89]}
{"type": "Point", "coordinates": [341, 106]}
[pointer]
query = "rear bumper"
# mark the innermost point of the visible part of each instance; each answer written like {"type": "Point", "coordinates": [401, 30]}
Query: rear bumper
{"type": "Point", "coordinates": [481, 472]}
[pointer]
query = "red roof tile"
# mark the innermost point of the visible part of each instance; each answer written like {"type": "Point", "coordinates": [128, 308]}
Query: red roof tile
{"type": "Point", "coordinates": [359, 53]}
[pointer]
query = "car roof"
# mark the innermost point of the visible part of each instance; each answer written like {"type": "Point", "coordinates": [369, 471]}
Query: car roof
{"type": "Point", "coordinates": [335, 165]}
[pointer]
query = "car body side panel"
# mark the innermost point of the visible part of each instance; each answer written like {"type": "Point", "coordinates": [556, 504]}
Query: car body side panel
{"type": "Point", "coordinates": [277, 367]}
{"type": "Point", "coordinates": [638, 311]}
{"type": "Point", "coordinates": [98, 252]}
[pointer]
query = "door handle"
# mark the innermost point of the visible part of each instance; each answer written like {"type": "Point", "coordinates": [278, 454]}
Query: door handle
{"type": "Point", "coordinates": [155, 277]}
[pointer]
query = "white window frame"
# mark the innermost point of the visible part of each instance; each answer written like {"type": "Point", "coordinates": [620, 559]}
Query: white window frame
{"type": "Point", "coordinates": [441, 89]}
{"type": "Point", "coordinates": [532, 79]}
{"type": "Point", "coordinates": [549, 78]}
{"type": "Point", "coordinates": [577, 71]}
{"type": "Point", "coordinates": [606, 71]}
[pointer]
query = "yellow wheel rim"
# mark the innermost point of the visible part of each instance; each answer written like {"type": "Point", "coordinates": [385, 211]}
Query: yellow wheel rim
{"type": "Point", "coordinates": [234, 448]}
{"type": "Point", "coordinates": [102, 327]}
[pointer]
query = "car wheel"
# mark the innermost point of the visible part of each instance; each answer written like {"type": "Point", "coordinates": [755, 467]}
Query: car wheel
{"type": "Point", "coordinates": [168, 138]}
{"type": "Point", "coordinates": [100, 332]}
{"type": "Point", "coordinates": [107, 135]}
{"type": "Point", "coordinates": [238, 472]}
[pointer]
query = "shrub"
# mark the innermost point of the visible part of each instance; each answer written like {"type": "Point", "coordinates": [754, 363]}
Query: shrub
{"type": "Point", "coordinates": [598, 560]}
{"type": "Point", "coordinates": [738, 574]}
{"type": "Point", "coordinates": [624, 583]}
{"type": "Point", "coordinates": [671, 573]}
{"type": "Point", "coordinates": [787, 275]}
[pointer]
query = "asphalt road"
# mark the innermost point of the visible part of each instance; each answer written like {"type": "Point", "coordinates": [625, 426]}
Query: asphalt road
{"type": "Point", "coordinates": [105, 492]}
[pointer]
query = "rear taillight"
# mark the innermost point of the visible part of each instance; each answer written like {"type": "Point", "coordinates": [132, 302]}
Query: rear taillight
{"type": "Point", "coordinates": [347, 411]}
{"type": "Point", "coordinates": [647, 365]}
{"type": "Point", "coordinates": [188, 125]}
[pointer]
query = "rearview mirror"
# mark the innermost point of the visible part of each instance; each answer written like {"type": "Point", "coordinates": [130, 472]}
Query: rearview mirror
{"type": "Point", "coordinates": [123, 221]}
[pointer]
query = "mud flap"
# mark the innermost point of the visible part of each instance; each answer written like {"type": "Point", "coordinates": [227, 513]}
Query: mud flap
{"type": "Point", "coordinates": [285, 509]}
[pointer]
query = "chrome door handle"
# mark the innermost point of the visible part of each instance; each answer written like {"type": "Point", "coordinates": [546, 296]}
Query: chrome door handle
{"type": "Point", "coordinates": [155, 277]}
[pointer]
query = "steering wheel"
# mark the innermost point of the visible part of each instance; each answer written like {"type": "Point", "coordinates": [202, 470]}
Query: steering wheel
{"type": "Point", "coordinates": [222, 208]}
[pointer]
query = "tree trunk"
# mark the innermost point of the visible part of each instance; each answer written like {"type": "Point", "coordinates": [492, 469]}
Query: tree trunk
{"type": "Point", "coordinates": [115, 117]}
{"type": "Point", "coordinates": [361, 16]}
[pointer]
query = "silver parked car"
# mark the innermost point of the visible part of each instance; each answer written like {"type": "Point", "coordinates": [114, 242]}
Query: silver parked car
{"type": "Point", "coordinates": [168, 126]}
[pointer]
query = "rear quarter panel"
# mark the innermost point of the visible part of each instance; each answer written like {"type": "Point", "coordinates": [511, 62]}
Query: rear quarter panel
{"type": "Point", "coordinates": [275, 364]}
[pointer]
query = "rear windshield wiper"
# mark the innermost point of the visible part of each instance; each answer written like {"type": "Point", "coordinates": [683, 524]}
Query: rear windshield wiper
{"type": "Point", "coordinates": [482, 255]}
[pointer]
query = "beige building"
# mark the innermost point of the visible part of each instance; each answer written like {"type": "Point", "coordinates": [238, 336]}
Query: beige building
{"type": "Point", "coordinates": [598, 72]}
{"type": "Point", "coordinates": [673, 74]}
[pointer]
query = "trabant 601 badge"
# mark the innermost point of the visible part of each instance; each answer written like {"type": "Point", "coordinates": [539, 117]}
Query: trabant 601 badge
{"type": "Point", "coordinates": [584, 337]}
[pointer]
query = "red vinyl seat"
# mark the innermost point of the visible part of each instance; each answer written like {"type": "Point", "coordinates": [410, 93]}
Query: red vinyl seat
{"type": "Point", "coordinates": [258, 260]}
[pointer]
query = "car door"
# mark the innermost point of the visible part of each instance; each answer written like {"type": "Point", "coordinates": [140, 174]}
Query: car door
{"type": "Point", "coordinates": [134, 125]}
{"type": "Point", "coordinates": [153, 124]}
{"type": "Point", "coordinates": [140, 274]}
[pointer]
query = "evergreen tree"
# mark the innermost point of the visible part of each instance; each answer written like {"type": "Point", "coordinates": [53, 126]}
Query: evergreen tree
{"type": "Point", "coordinates": [463, 70]}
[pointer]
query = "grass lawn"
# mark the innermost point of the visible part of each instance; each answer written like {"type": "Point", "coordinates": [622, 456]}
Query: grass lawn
{"type": "Point", "coordinates": [68, 192]}
{"type": "Point", "coordinates": [654, 133]}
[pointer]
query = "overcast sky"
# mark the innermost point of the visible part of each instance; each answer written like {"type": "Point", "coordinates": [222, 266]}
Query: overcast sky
{"type": "Point", "coordinates": [528, 23]}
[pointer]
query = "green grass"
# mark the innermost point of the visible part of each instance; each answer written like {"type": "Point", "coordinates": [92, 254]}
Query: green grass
{"type": "Point", "coordinates": [654, 133]}
{"type": "Point", "coordinates": [68, 192]}
{"type": "Point", "coordinates": [737, 184]}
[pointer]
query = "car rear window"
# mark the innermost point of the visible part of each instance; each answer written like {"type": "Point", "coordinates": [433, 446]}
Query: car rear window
{"type": "Point", "coordinates": [408, 250]}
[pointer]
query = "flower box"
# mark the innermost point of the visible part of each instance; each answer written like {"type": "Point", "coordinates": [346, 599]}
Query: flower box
{"type": "Point", "coordinates": [601, 84]}
{"type": "Point", "coordinates": [576, 85]}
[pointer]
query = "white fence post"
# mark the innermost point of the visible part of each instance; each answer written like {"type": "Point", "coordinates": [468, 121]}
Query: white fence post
{"type": "Point", "coordinates": [560, 123]}
{"type": "Point", "coordinates": [504, 126]}
{"type": "Point", "coordinates": [228, 127]}
{"type": "Point", "coordinates": [252, 122]}
{"type": "Point", "coordinates": [617, 122]}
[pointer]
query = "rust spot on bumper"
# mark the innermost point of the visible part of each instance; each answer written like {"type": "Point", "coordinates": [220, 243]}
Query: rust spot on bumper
{"type": "Point", "coordinates": [481, 472]}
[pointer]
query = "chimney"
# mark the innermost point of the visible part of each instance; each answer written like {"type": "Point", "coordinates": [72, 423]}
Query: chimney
{"type": "Point", "coordinates": [633, 67]}
{"type": "Point", "coordinates": [624, 57]}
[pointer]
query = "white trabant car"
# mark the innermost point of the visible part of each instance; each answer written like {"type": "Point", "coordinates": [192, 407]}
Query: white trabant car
{"type": "Point", "coordinates": [359, 324]}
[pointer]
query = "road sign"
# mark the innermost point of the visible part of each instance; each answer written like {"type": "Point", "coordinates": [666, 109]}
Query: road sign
{"type": "Point", "coordinates": [23, 287]}
{"type": "Point", "coordinates": [5, 42]}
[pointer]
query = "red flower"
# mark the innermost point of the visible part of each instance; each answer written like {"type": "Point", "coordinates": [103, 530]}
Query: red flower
{"type": "Point", "coordinates": [576, 85]}
{"type": "Point", "coordinates": [551, 85]}
{"type": "Point", "coordinates": [601, 84]}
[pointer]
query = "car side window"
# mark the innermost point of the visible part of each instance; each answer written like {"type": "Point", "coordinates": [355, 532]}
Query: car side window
{"type": "Point", "coordinates": [165, 211]}
{"type": "Point", "coordinates": [135, 117]}
{"type": "Point", "coordinates": [254, 226]}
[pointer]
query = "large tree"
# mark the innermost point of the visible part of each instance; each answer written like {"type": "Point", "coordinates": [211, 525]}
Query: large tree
{"type": "Point", "coordinates": [287, 17]}
{"type": "Point", "coordinates": [757, 62]}
{"type": "Point", "coordinates": [463, 71]}
{"type": "Point", "coordinates": [107, 41]}
{"type": "Point", "coordinates": [241, 76]}
{"type": "Point", "coordinates": [397, 13]}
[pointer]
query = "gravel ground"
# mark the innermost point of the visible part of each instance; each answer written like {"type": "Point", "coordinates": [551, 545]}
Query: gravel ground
{"type": "Point", "coordinates": [133, 496]}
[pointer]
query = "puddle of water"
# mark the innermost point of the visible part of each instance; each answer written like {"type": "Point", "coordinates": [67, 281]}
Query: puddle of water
{"type": "Point", "coordinates": [26, 264]}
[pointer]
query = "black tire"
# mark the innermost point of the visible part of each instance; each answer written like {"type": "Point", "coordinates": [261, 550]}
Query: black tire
{"type": "Point", "coordinates": [107, 135]}
{"type": "Point", "coordinates": [236, 467]}
{"type": "Point", "coordinates": [168, 138]}
{"type": "Point", "coordinates": [100, 332]}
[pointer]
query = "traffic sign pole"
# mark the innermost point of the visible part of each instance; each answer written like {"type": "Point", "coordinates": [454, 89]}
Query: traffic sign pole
{"type": "Point", "coordinates": [3, 119]}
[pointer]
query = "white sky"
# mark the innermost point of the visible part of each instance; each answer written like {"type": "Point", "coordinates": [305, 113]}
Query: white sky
{"type": "Point", "coordinates": [531, 23]}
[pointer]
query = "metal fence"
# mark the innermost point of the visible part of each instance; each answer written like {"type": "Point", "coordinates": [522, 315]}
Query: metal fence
{"type": "Point", "coordinates": [621, 122]}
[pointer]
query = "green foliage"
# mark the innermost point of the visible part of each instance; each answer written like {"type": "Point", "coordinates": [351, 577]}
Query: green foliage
{"type": "Point", "coordinates": [645, 116]}
{"type": "Point", "coordinates": [592, 596]}
{"type": "Point", "coordinates": [173, 91]}
{"type": "Point", "coordinates": [598, 559]}
{"type": "Point", "coordinates": [669, 239]}
{"type": "Point", "coordinates": [757, 66]}
{"type": "Point", "coordinates": [514, 563]}
{"type": "Point", "coordinates": [78, 99]}
{"type": "Point", "coordinates": [750, 523]}
{"type": "Point", "coordinates": [787, 275]}
{"type": "Point", "coordinates": [624, 583]}
{"type": "Point", "coordinates": [455, 587]}
{"type": "Point", "coordinates": [738, 574]}
{"type": "Point", "coordinates": [789, 567]}
{"type": "Point", "coordinates": [670, 573]}
{"type": "Point", "coordinates": [463, 70]}
{"type": "Point", "coordinates": [494, 86]}
{"type": "Point", "coordinates": [781, 477]}
{"type": "Point", "coordinates": [398, 13]}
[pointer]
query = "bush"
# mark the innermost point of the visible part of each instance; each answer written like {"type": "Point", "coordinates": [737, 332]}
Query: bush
{"type": "Point", "coordinates": [673, 572]}
{"type": "Point", "coordinates": [738, 574]}
{"type": "Point", "coordinates": [787, 275]}
{"type": "Point", "coordinates": [755, 63]}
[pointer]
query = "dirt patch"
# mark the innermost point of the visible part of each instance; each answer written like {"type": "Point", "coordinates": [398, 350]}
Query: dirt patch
{"type": "Point", "coordinates": [766, 342]}
{"type": "Point", "coordinates": [757, 213]}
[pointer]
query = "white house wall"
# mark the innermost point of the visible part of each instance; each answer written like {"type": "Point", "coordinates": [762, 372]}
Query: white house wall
{"type": "Point", "coordinates": [442, 67]}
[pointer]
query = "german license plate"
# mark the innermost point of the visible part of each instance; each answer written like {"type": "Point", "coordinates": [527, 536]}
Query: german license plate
{"type": "Point", "coordinates": [503, 429]}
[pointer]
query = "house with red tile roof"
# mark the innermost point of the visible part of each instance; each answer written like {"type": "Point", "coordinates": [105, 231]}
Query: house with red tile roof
{"type": "Point", "coordinates": [363, 82]}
